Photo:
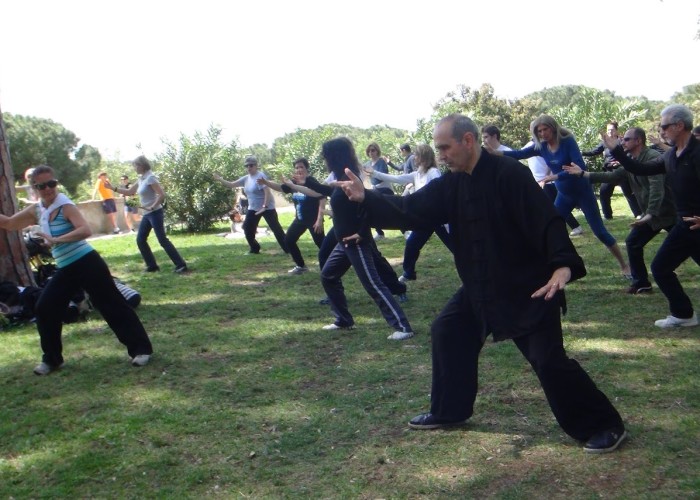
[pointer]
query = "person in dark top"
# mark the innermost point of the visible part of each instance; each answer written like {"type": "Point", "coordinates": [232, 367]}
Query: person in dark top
{"type": "Point", "coordinates": [609, 164]}
{"type": "Point", "coordinates": [306, 213]}
{"type": "Point", "coordinates": [681, 164]}
{"type": "Point", "coordinates": [514, 258]}
{"type": "Point", "coordinates": [354, 248]}
{"type": "Point", "coordinates": [654, 196]}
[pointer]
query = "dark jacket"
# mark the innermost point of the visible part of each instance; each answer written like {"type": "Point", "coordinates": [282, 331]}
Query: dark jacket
{"type": "Point", "coordinates": [507, 235]}
{"type": "Point", "coordinates": [608, 158]}
{"type": "Point", "coordinates": [682, 174]}
{"type": "Point", "coordinates": [652, 192]}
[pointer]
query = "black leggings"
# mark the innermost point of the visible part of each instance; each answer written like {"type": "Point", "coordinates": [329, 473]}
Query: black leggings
{"type": "Point", "coordinates": [250, 228]}
{"type": "Point", "coordinates": [90, 273]}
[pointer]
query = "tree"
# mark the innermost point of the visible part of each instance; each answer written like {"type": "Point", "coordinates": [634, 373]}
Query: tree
{"type": "Point", "coordinates": [35, 141]}
{"type": "Point", "coordinates": [185, 172]}
{"type": "Point", "coordinates": [690, 96]}
{"type": "Point", "coordinates": [14, 261]}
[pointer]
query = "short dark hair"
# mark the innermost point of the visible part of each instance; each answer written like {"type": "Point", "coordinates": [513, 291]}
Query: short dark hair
{"type": "Point", "coordinates": [41, 169]}
{"type": "Point", "coordinates": [491, 130]}
{"type": "Point", "coordinates": [405, 147]}
{"type": "Point", "coordinates": [142, 161]}
{"type": "Point", "coordinates": [614, 124]}
{"type": "Point", "coordinates": [640, 134]}
{"type": "Point", "coordinates": [302, 160]}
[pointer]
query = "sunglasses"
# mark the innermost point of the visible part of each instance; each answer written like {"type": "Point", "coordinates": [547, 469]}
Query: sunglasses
{"type": "Point", "coordinates": [665, 126]}
{"type": "Point", "coordinates": [628, 138]}
{"type": "Point", "coordinates": [50, 184]}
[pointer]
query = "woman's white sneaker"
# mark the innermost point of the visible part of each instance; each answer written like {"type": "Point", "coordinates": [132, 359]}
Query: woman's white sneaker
{"type": "Point", "coordinates": [673, 322]}
{"type": "Point", "coordinates": [400, 336]}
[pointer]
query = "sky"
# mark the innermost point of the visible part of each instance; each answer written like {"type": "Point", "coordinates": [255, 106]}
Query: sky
{"type": "Point", "coordinates": [129, 73]}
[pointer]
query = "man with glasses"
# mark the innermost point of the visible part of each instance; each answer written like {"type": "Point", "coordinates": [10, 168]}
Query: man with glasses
{"type": "Point", "coordinates": [654, 197]}
{"type": "Point", "coordinates": [681, 164]}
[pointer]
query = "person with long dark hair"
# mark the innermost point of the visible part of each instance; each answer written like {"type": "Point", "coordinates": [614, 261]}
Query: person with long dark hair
{"type": "Point", "coordinates": [78, 266]}
{"type": "Point", "coordinates": [151, 198]}
{"type": "Point", "coordinates": [354, 247]}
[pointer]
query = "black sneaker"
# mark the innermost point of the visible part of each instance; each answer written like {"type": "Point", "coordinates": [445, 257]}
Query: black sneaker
{"type": "Point", "coordinates": [427, 421]}
{"type": "Point", "coordinates": [154, 269]}
{"type": "Point", "coordinates": [606, 441]}
{"type": "Point", "coordinates": [324, 301]}
{"type": "Point", "coordinates": [638, 290]}
{"type": "Point", "coordinates": [403, 298]}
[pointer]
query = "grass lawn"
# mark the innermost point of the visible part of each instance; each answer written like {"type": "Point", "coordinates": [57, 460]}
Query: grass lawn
{"type": "Point", "coordinates": [247, 397]}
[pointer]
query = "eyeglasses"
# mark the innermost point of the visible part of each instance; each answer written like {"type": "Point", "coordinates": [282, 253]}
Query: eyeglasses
{"type": "Point", "coordinates": [664, 126]}
{"type": "Point", "coordinates": [50, 184]}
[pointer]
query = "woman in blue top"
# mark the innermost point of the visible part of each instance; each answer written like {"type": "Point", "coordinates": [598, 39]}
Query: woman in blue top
{"type": "Point", "coordinates": [558, 148]}
{"type": "Point", "coordinates": [79, 266]}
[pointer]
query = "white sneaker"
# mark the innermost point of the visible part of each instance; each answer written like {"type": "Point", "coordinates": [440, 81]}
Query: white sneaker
{"type": "Point", "coordinates": [141, 360]}
{"type": "Point", "coordinates": [672, 322]}
{"type": "Point", "coordinates": [45, 368]}
{"type": "Point", "coordinates": [298, 270]}
{"type": "Point", "coordinates": [576, 232]}
{"type": "Point", "coordinates": [333, 326]}
{"type": "Point", "coordinates": [378, 237]}
{"type": "Point", "coordinates": [400, 336]}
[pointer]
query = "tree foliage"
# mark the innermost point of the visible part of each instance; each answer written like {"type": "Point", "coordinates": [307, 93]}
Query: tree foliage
{"type": "Point", "coordinates": [185, 171]}
{"type": "Point", "coordinates": [35, 141]}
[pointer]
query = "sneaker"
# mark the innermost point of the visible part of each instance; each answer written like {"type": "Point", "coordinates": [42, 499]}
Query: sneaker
{"type": "Point", "coordinates": [400, 336]}
{"type": "Point", "coordinates": [141, 360]}
{"type": "Point", "coordinates": [672, 322]}
{"type": "Point", "coordinates": [333, 326]}
{"type": "Point", "coordinates": [45, 368]}
{"type": "Point", "coordinates": [298, 270]}
{"type": "Point", "coordinates": [606, 441]}
{"type": "Point", "coordinates": [576, 232]}
{"type": "Point", "coordinates": [427, 421]}
{"type": "Point", "coordinates": [116, 231]}
{"type": "Point", "coordinates": [152, 269]}
{"type": "Point", "coordinates": [639, 290]}
{"type": "Point", "coordinates": [379, 237]}
{"type": "Point", "coordinates": [181, 269]}
{"type": "Point", "coordinates": [403, 298]}
{"type": "Point", "coordinates": [324, 301]}
{"type": "Point", "coordinates": [404, 278]}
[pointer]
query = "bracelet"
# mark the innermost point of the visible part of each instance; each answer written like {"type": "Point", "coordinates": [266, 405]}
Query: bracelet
{"type": "Point", "coordinates": [582, 173]}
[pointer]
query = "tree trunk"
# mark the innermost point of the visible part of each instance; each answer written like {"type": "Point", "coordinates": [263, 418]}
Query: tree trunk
{"type": "Point", "coordinates": [14, 260]}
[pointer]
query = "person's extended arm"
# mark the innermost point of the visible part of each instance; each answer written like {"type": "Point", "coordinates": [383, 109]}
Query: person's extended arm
{"type": "Point", "coordinates": [595, 151]}
{"type": "Point", "coordinates": [130, 191]}
{"type": "Point", "coordinates": [262, 181]}
{"type": "Point", "coordinates": [318, 225]}
{"type": "Point", "coordinates": [20, 220]}
{"type": "Point", "coordinates": [521, 154]}
{"type": "Point", "coordinates": [81, 228]}
{"type": "Point", "coordinates": [652, 167]}
{"type": "Point", "coordinates": [596, 177]}
{"type": "Point", "coordinates": [230, 184]}
{"type": "Point", "coordinates": [314, 187]}
{"type": "Point", "coordinates": [397, 179]}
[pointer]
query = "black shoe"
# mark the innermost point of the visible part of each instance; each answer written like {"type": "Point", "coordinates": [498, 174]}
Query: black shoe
{"type": "Point", "coordinates": [606, 441]}
{"type": "Point", "coordinates": [152, 269]}
{"type": "Point", "coordinates": [403, 298]}
{"type": "Point", "coordinates": [638, 290]}
{"type": "Point", "coordinates": [430, 421]}
{"type": "Point", "coordinates": [324, 301]}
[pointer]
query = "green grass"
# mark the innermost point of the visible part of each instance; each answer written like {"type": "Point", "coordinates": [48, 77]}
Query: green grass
{"type": "Point", "coordinates": [247, 397]}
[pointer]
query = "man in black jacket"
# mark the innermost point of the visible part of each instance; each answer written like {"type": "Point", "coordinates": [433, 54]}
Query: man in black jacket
{"type": "Point", "coordinates": [514, 258]}
{"type": "Point", "coordinates": [681, 164]}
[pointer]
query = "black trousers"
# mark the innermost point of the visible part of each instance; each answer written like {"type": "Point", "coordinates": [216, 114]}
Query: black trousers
{"type": "Point", "coordinates": [92, 274]}
{"type": "Point", "coordinates": [294, 232]}
{"type": "Point", "coordinates": [580, 408]}
{"type": "Point", "coordinates": [605, 193]}
{"type": "Point", "coordinates": [250, 228]}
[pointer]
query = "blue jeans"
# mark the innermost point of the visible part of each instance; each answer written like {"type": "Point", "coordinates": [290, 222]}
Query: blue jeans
{"type": "Point", "coordinates": [154, 220]}
{"type": "Point", "coordinates": [361, 258]}
{"type": "Point", "coordinates": [680, 244]}
{"type": "Point", "coordinates": [580, 193]}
